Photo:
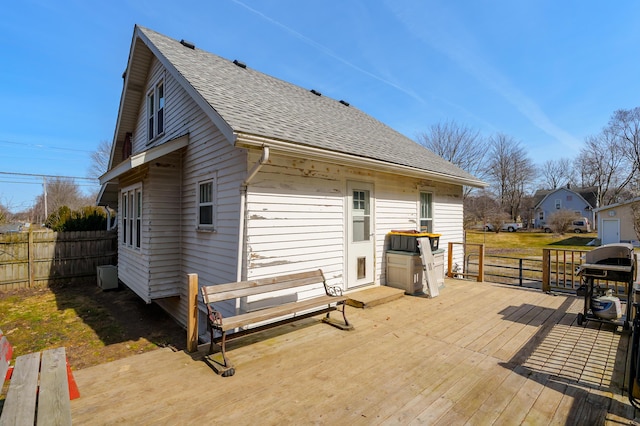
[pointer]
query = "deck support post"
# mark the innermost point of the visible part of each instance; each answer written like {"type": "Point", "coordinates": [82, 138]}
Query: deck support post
{"type": "Point", "coordinates": [192, 313]}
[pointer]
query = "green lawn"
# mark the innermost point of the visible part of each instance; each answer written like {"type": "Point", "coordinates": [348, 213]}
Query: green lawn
{"type": "Point", "coordinates": [528, 243]}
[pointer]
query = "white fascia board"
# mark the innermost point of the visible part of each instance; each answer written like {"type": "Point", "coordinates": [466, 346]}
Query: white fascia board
{"type": "Point", "coordinates": [244, 140]}
{"type": "Point", "coordinates": [144, 157]}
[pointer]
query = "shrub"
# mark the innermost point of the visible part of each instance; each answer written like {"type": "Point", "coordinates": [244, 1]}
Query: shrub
{"type": "Point", "coordinates": [561, 221]}
{"type": "Point", "coordinates": [88, 218]}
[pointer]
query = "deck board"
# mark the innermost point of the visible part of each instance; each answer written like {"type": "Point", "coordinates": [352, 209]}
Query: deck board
{"type": "Point", "coordinates": [478, 353]}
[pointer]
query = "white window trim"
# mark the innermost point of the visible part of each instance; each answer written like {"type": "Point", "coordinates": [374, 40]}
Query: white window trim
{"type": "Point", "coordinates": [131, 217]}
{"type": "Point", "coordinates": [214, 203]}
{"type": "Point", "coordinates": [154, 91]}
{"type": "Point", "coordinates": [420, 192]}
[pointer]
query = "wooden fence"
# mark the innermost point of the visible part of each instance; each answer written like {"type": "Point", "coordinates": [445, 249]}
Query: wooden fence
{"type": "Point", "coordinates": [41, 258]}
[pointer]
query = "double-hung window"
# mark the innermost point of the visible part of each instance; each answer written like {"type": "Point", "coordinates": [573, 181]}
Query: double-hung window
{"type": "Point", "coordinates": [132, 216]}
{"type": "Point", "coordinates": [426, 212]}
{"type": "Point", "coordinates": [206, 193]}
{"type": "Point", "coordinates": [155, 110]}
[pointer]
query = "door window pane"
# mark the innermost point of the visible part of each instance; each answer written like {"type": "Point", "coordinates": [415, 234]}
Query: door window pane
{"type": "Point", "coordinates": [361, 221]}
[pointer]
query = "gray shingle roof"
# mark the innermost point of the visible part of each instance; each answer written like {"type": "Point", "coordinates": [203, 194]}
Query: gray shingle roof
{"type": "Point", "coordinates": [255, 103]}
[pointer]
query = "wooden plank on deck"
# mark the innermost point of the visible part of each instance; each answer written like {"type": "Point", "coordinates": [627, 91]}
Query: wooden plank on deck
{"type": "Point", "coordinates": [20, 405]}
{"type": "Point", "coordinates": [53, 400]}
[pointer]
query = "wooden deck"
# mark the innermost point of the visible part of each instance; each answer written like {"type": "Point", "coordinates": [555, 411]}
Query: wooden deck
{"type": "Point", "coordinates": [477, 354]}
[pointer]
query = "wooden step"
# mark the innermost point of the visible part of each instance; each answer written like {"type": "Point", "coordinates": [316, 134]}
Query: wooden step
{"type": "Point", "coordinates": [373, 296]}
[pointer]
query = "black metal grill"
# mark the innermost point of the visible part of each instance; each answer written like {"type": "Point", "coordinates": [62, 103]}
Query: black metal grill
{"type": "Point", "coordinates": [611, 262]}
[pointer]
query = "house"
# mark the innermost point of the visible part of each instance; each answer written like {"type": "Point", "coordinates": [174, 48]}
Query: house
{"type": "Point", "coordinates": [616, 223]}
{"type": "Point", "coordinates": [220, 170]}
{"type": "Point", "coordinates": [582, 201]}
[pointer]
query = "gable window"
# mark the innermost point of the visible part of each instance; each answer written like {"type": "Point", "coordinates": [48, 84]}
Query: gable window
{"type": "Point", "coordinates": [206, 204]}
{"type": "Point", "coordinates": [132, 216]}
{"type": "Point", "coordinates": [155, 111]}
{"type": "Point", "coordinates": [426, 212]}
{"type": "Point", "coordinates": [558, 204]}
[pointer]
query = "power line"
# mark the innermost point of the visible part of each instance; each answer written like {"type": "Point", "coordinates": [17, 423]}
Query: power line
{"type": "Point", "coordinates": [38, 146]}
{"type": "Point", "coordinates": [48, 176]}
{"type": "Point", "coordinates": [86, 185]}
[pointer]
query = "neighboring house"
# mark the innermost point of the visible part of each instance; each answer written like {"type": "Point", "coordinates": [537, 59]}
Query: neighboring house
{"type": "Point", "coordinates": [546, 202]}
{"type": "Point", "coordinates": [220, 170]}
{"type": "Point", "coordinates": [10, 228]}
{"type": "Point", "coordinates": [615, 223]}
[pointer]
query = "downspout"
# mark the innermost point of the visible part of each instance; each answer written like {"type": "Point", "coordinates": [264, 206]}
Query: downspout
{"type": "Point", "coordinates": [243, 209]}
{"type": "Point", "coordinates": [109, 226]}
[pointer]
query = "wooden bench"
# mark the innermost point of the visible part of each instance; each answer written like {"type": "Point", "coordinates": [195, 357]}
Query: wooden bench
{"type": "Point", "coordinates": [40, 388]}
{"type": "Point", "coordinates": [331, 300]}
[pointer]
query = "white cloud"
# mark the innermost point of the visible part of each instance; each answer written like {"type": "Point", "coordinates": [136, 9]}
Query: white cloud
{"type": "Point", "coordinates": [326, 51]}
{"type": "Point", "coordinates": [435, 25]}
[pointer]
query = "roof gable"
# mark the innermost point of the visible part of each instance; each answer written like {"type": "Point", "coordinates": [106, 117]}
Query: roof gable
{"type": "Point", "coordinates": [585, 194]}
{"type": "Point", "coordinates": [253, 103]}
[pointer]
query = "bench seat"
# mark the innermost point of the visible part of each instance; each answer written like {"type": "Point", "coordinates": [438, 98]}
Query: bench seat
{"type": "Point", "coordinates": [266, 314]}
{"type": "Point", "coordinates": [330, 301]}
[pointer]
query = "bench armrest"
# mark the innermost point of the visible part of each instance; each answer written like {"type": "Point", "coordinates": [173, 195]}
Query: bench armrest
{"type": "Point", "coordinates": [333, 290]}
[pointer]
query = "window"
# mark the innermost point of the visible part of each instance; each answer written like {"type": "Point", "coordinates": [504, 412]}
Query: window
{"type": "Point", "coordinates": [426, 212]}
{"type": "Point", "coordinates": [206, 203]}
{"type": "Point", "coordinates": [155, 111]}
{"type": "Point", "coordinates": [558, 204]}
{"type": "Point", "coordinates": [132, 216]}
{"type": "Point", "coordinates": [361, 216]}
{"type": "Point", "coordinates": [541, 215]}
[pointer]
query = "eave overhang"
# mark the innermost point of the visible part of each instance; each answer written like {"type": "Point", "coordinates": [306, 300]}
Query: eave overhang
{"type": "Point", "coordinates": [252, 141]}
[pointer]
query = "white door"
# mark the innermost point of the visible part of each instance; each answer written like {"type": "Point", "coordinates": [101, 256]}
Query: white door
{"type": "Point", "coordinates": [360, 238]}
{"type": "Point", "coordinates": [610, 231]}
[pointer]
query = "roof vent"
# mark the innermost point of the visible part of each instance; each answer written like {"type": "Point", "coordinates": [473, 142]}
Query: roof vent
{"type": "Point", "coordinates": [315, 92]}
{"type": "Point", "coordinates": [240, 64]}
{"type": "Point", "coordinates": [188, 44]}
{"type": "Point", "coordinates": [345, 103]}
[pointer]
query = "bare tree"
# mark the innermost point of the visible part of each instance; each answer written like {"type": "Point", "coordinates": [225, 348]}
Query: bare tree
{"type": "Point", "coordinates": [511, 172]}
{"type": "Point", "coordinates": [4, 214]}
{"type": "Point", "coordinates": [100, 159]}
{"type": "Point", "coordinates": [626, 125]}
{"type": "Point", "coordinates": [556, 173]}
{"type": "Point", "coordinates": [59, 192]}
{"type": "Point", "coordinates": [460, 145]}
{"type": "Point", "coordinates": [481, 207]}
{"type": "Point", "coordinates": [635, 217]}
{"type": "Point", "coordinates": [605, 163]}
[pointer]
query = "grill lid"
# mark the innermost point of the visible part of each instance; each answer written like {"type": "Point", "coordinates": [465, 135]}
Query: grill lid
{"type": "Point", "coordinates": [614, 262]}
{"type": "Point", "coordinates": [611, 254]}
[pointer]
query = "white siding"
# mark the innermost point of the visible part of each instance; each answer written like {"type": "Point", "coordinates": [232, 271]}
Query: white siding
{"type": "Point", "coordinates": [296, 210]}
{"type": "Point", "coordinates": [171, 245]}
{"type": "Point", "coordinates": [133, 264]}
{"type": "Point", "coordinates": [162, 195]}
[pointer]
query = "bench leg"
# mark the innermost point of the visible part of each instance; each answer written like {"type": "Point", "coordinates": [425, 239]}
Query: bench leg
{"type": "Point", "coordinates": [224, 369]}
{"type": "Point", "coordinates": [345, 326]}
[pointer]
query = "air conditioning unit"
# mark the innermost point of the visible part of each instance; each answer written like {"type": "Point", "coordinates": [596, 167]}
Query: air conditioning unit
{"type": "Point", "coordinates": [107, 277]}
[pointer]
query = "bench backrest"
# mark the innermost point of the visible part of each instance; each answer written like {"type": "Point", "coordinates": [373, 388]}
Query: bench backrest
{"type": "Point", "coordinates": [220, 292]}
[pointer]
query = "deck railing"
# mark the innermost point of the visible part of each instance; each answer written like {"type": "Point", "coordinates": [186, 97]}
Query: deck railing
{"type": "Point", "coordinates": [555, 270]}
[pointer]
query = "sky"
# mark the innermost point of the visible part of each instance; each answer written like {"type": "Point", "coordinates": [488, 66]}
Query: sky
{"type": "Point", "coordinates": [547, 73]}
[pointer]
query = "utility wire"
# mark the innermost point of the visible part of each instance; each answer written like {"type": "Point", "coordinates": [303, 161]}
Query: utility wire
{"type": "Point", "coordinates": [38, 146]}
{"type": "Point", "coordinates": [48, 176]}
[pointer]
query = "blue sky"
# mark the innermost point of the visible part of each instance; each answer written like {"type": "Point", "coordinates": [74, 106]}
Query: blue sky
{"type": "Point", "coordinates": [548, 73]}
